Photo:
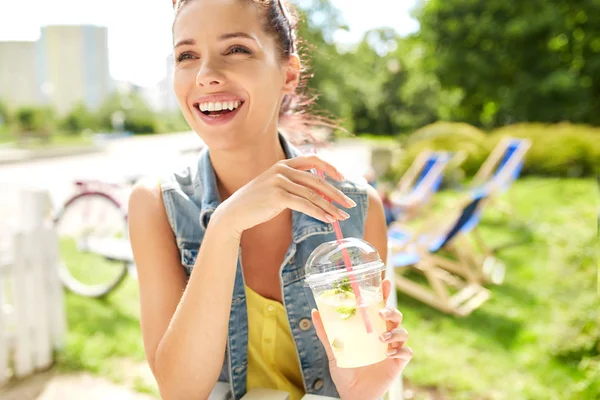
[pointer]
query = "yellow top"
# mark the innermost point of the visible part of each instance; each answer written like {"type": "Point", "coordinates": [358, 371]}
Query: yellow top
{"type": "Point", "coordinates": [272, 359]}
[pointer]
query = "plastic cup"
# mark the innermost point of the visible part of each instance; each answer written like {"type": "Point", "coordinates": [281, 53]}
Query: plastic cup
{"type": "Point", "coordinates": [343, 311]}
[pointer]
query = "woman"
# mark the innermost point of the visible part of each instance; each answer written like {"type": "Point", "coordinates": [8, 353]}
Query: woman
{"type": "Point", "coordinates": [220, 248]}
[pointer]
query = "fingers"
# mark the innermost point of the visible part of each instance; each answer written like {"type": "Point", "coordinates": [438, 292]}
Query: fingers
{"type": "Point", "coordinates": [318, 323]}
{"type": "Point", "coordinates": [306, 163]}
{"type": "Point", "coordinates": [391, 315]}
{"type": "Point", "coordinates": [305, 206]}
{"type": "Point", "coordinates": [404, 353]}
{"type": "Point", "coordinates": [398, 335]}
{"type": "Point", "coordinates": [316, 185]}
{"type": "Point", "coordinates": [386, 288]}
{"type": "Point", "coordinates": [314, 198]}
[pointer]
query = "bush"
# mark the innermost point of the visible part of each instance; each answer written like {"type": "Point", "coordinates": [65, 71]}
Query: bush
{"type": "Point", "coordinates": [79, 119]}
{"type": "Point", "coordinates": [557, 150]}
{"type": "Point", "coordinates": [448, 136]}
{"type": "Point", "coordinates": [35, 121]}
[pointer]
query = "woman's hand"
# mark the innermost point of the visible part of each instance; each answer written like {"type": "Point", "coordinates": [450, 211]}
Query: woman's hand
{"type": "Point", "coordinates": [287, 184]}
{"type": "Point", "coordinates": [372, 381]}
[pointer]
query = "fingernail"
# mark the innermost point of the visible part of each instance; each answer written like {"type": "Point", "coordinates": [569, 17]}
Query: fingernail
{"type": "Point", "coordinates": [386, 336]}
{"type": "Point", "coordinates": [350, 202]}
{"type": "Point", "coordinates": [330, 218]}
{"type": "Point", "coordinates": [344, 214]}
{"type": "Point", "coordinates": [392, 352]}
{"type": "Point", "coordinates": [341, 176]}
{"type": "Point", "coordinates": [385, 313]}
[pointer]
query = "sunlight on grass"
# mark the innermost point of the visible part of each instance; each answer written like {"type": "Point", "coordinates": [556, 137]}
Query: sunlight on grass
{"type": "Point", "coordinates": [505, 349]}
{"type": "Point", "coordinates": [88, 268]}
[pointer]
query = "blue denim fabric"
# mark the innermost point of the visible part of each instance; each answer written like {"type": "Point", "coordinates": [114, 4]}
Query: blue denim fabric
{"type": "Point", "coordinates": [190, 198]}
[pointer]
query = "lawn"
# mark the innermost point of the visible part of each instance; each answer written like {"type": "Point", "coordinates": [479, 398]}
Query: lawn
{"type": "Point", "coordinates": [521, 344]}
{"type": "Point", "coordinates": [58, 140]}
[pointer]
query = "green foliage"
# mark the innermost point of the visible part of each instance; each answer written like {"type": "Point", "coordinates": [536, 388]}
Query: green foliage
{"type": "Point", "coordinates": [80, 118]}
{"type": "Point", "coordinates": [557, 150]}
{"type": "Point", "coordinates": [448, 136]}
{"type": "Point", "coordinates": [536, 60]}
{"type": "Point", "coordinates": [37, 121]}
{"type": "Point", "coordinates": [172, 122]}
{"type": "Point", "coordinates": [6, 115]}
{"type": "Point", "coordinates": [127, 112]}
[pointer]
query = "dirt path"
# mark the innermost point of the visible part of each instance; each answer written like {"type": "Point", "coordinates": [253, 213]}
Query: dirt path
{"type": "Point", "coordinates": [52, 386]}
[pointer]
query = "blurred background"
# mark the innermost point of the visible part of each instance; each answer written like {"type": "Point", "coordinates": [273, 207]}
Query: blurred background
{"type": "Point", "coordinates": [86, 108]}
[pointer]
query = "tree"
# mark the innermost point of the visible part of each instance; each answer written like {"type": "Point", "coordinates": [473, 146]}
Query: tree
{"type": "Point", "coordinates": [127, 111]}
{"type": "Point", "coordinates": [36, 121]}
{"type": "Point", "coordinates": [79, 119]}
{"type": "Point", "coordinates": [536, 60]}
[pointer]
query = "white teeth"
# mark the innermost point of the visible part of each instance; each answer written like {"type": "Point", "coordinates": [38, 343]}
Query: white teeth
{"type": "Point", "coordinates": [218, 106]}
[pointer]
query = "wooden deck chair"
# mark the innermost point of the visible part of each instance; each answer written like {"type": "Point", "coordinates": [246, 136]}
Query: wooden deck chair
{"type": "Point", "coordinates": [419, 183]}
{"type": "Point", "coordinates": [453, 286]}
{"type": "Point", "coordinates": [502, 167]}
{"type": "Point", "coordinates": [495, 176]}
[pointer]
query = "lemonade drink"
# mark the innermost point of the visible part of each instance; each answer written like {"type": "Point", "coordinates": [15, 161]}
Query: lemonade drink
{"type": "Point", "coordinates": [351, 344]}
{"type": "Point", "coordinates": [340, 273]}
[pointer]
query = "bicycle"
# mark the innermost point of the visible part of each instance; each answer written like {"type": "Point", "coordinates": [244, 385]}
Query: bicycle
{"type": "Point", "coordinates": [92, 227]}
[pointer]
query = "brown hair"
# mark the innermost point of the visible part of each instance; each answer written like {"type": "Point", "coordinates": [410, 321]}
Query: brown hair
{"type": "Point", "coordinates": [281, 21]}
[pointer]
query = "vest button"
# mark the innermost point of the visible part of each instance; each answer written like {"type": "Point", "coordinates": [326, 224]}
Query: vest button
{"type": "Point", "coordinates": [305, 324]}
{"type": "Point", "coordinates": [318, 385]}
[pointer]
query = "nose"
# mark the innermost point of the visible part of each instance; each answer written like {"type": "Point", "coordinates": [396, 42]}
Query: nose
{"type": "Point", "coordinates": [209, 76]}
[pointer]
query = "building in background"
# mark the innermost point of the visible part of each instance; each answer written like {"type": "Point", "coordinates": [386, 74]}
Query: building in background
{"type": "Point", "coordinates": [18, 75]}
{"type": "Point", "coordinates": [168, 101]}
{"type": "Point", "coordinates": [72, 66]}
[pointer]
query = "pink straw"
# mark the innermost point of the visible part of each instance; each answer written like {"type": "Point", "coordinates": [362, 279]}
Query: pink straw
{"type": "Point", "coordinates": [348, 265]}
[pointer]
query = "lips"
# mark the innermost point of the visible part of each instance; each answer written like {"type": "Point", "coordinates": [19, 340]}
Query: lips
{"type": "Point", "coordinates": [208, 113]}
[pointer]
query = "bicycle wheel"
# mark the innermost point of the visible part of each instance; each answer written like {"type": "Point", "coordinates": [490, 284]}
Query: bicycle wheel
{"type": "Point", "coordinates": [94, 245]}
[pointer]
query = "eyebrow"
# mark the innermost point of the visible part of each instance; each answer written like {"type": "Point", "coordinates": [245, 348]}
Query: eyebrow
{"type": "Point", "coordinates": [186, 42]}
{"type": "Point", "coordinates": [225, 36]}
{"type": "Point", "coordinates": [232, 35]}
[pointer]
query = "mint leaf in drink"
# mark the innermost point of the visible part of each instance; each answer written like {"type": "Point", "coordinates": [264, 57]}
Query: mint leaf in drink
{"type": "Point", "coordinates": [338, 344]}
{"type": "Point", "coordinates": [344, 286]}
{"type": "Point", "coordinates": [345, 312]}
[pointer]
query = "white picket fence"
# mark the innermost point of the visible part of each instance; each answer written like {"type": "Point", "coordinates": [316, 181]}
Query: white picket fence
{"type": "Point", "coordinates": [32, 310]}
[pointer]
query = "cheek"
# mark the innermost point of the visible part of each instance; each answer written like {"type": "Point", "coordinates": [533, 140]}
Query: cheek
{"type": "Point", "coordinates": [265, 84]}
{"type": "Point", "coordinates": [181, 84]}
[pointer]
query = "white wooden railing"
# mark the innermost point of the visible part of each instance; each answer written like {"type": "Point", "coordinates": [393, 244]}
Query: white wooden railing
{"type": "Point", "coordinates": [32, 310]}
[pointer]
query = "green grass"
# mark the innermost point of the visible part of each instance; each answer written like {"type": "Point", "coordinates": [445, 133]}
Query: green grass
{"type": "Point", "coordinates": [513, 347]}
{"type": "Point", "coordinates": [379, 140]}
{"type": "Point", "coordinates": [506, 349]}
{"type": "Point", "coordinates": [56, 140]}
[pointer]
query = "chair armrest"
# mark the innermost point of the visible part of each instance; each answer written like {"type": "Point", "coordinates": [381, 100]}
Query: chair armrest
{"type": "Point", "coordinates": [220, 392]}
{"type": "Point", "coordinates": [266, 394]}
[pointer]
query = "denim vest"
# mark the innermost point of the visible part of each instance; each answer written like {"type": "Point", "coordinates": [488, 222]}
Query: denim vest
{"type": "Point", "coordinates": [190, 198]}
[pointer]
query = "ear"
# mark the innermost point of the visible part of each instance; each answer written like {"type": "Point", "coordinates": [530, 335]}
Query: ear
{"type": "Point", "coordinates": [291, 75]}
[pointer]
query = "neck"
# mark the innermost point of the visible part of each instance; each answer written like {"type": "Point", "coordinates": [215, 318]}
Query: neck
{"type": "Point", "coordinates": [235, 169]}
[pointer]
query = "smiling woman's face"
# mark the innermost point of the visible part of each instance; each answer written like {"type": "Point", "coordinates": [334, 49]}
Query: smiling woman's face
{"type": "Point", "coordinates": [228, 78]}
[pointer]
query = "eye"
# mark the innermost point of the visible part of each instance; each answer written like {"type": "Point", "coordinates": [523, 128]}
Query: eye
{"type": "Point", "coordinates": [238, 50]}
{"type": "Point", "coordinates": [184, 56]}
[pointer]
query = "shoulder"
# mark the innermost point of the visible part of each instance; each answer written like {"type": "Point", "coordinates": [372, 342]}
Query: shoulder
{"type": "Point", "coordinates": [145, 199]}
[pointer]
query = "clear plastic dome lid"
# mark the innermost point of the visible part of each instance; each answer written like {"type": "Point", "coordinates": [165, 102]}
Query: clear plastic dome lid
{"type": "Point", "coordinates": [326, 263]}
